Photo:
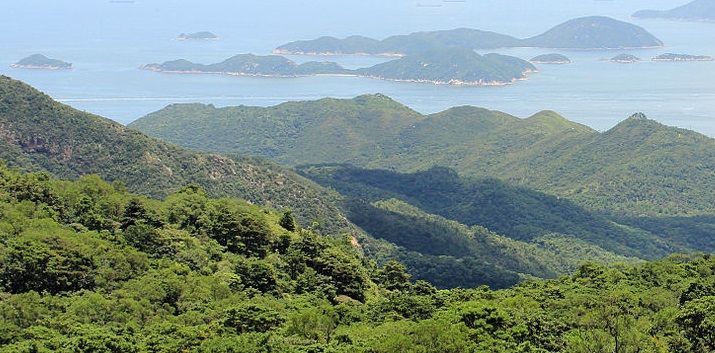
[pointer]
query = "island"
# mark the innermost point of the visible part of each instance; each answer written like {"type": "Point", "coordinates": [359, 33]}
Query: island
{"type": "Point", "coordinates": [625, 59]}
{"type": "Point", "coordinates": [595, 32]}
{"type": "Point", "coordinates": [456, 66]}
{"type": "Point", "coordinates": [698, 10]}
{"type": "Point", "coordinates": [446, 66]}
{"type": "Point", "coordinates": [682, 57]}
{"type": "Point", "coordinates": [250, 65]}
{"type": "Point", "coordinates": [197, 36]}
{"type": "Point", "coordinates": [553, 59]}
{"type": "Point", "coordinates": [41, 62]}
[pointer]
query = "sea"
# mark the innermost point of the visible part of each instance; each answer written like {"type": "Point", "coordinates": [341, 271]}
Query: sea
{"type": "Point", "coordinates": [107, 41]}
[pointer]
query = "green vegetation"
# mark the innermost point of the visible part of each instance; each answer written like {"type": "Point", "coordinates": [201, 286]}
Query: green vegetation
{"type": "Point", "coordinates": [682, 57]}
{"type": "Point", "coordinates": [581, 33]}
{"type": "Point", "coordinates": [517, 213]}
{"type": "Point", "coordinates": [442, 66]}
{"type": "Point", "coordinates": [250, 65]}
{"type": "Point", "coordinates": [697, 10]}
{"type": "Point", "coordinates": [37, 133]}
{"type": "Point", "coordinates": [553, 58]}
{"type": "Point", "coordinates": [637, 168]}
{"type": "Point", "coordinates": [88, 267]}
{"type": "Point", "coordinates": [595, 32]}
{"type": "Point", "coordinates": [452, 66]}
{"type": "Point", "coordinates": [39, 61]}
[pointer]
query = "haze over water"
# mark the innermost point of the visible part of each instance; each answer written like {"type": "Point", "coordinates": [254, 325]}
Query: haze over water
{"type": "Point", "coordinates": [107, 42]}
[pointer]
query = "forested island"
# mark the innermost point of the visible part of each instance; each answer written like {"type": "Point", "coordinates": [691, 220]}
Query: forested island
{"type": "Point", "coordinates": [625, 59]}
{"type": "Point", "coordinates": [682, 57]}
{"type": "Point", "coordinates": [698, 10]}
{"type": "Point", "coordinates": [594, 32]}
{"type": "Point", "coordinates": [41, 62]}
{"type": "Point", "coordinates": [554, 59]}
{"type": "Point", "coordinates": [197, 36]}
{"type": "Point", "coordinates": [454, 66]}
{"type": "Point", "coordinates": [250, 65]}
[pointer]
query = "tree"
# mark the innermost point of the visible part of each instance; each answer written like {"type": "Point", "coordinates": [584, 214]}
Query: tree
{"type": "Point", "coordinates": [698, 320]}
{"type": "Point", "coordinates": [394, 276]}
{"type": "Point", "coordinates": [288, 221]}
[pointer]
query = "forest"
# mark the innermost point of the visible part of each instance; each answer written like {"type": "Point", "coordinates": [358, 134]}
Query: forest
{"type": "Point", "coordinates": [86, 266]}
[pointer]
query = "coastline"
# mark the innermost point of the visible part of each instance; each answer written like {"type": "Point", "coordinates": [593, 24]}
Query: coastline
{"type": "Point", "coordinates": [551, 62]}
{"type": "Point", "coordinates": [452, 82]}
{"type": "Point", "coordinates": [41, 67]}
{"type": "Point", "coordinates": [400, 55]}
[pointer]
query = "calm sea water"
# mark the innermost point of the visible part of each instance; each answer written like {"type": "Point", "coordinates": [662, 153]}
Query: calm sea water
{"type": "Point", "coordinates": [107, 42]}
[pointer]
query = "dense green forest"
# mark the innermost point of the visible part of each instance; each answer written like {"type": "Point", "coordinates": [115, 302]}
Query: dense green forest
{"type": "Point", "coordinates": [86, 266]}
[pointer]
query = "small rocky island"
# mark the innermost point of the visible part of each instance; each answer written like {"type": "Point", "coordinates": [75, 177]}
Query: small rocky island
{"type": "Point", "coordinates": [197, 36]}
{"type": "Point", "coordinates": [41, 62]}
{"type": "Point", "coordinates": [555, 59]}
{"type": "Point", "coordinates": [682, 57]}
{"type": "Point", "coordinates": [625, 59]}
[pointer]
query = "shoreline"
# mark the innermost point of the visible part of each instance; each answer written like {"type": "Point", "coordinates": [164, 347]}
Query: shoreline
{"type": "Point", "coordinates": [330, 53]}
{"type": "Point", "coordinates": [400, 55]}
{"type": "Point", "coordinates": [551, 62]}
{"type": "Point", "coordinates": [40, 67]}
{"type": "Point", "coordinates": [453, 82]}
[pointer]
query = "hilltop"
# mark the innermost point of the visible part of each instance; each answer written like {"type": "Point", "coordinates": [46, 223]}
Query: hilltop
{"type": "Point", "coordinates": [594, 32]}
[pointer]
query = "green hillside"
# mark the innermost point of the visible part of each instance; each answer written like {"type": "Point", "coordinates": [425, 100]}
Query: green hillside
{"type": "Point", "coordinates": [518, 213]}
{"type": "Point", "coordinates": [87, 267]}
{"type": "Point", "coordinates": [37, 133]}
{"type": "Point", "coordinates": [288, 133]}
{"type": "Point", "coordinates": [639, 167]}
{"type": "Point", "coordinates": [595, 32]}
